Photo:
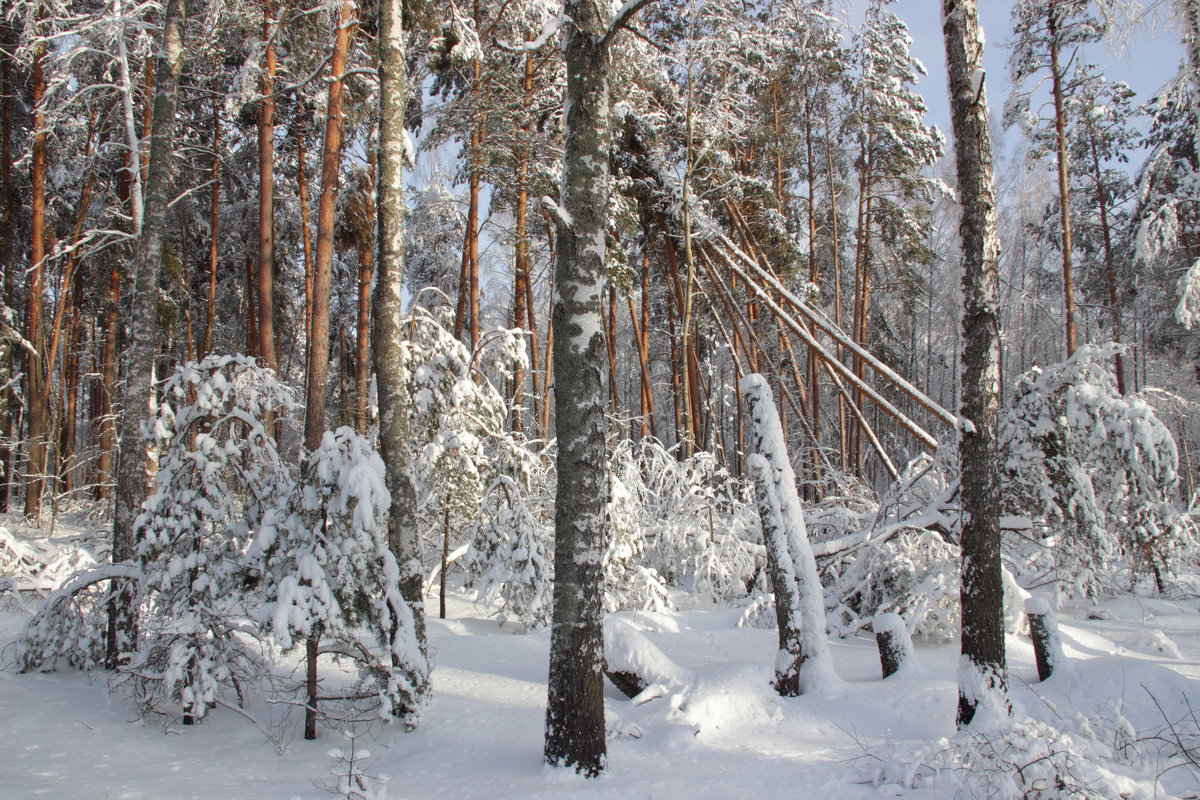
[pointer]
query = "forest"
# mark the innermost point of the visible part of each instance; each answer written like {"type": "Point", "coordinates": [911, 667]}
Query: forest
{"type": "Point", "coordinates": [645, 376]}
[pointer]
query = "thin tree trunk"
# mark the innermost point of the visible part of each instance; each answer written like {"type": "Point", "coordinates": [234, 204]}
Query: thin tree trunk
{"type": "Point", "coordinates": [318, 345]}
{"type": "Point", "coordinates": [266, 195]}
{"type": "Point", "coordinates": [251, 308]}
{"type": "Point", "coordinates": [36, 389]}
{"type": "Point", "coordinates": [143, 341]}
{"type": "Point", "coordinates": [9, 198]}
{"type": "Point", "coordinates": [1110, 271]}
{"type": "Point", "coordinates": [388, 335]}
{"type": "Point", "coordinates": [305, 235]}
{"type": "Point", "coordinates": [362, 370]}
{"type": "Point", "coordinates": [982, 677]}
{"type": "Point", "coordinates": [1064, 189]}
{"type": "Point", "coordinates": [214, 227]}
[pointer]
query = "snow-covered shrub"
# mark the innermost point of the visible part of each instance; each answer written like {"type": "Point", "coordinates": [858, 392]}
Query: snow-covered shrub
{"type": "Point", "coordinates": [68, 629]}
{"type": "Point", "coordinates": [32, 568]}
{"type": "Point", "coordinates": [901, 559]}
{"type": "Point", "coordinates": [511, 560]}
{"type": "Point", "coordinates": [455, 422]}
{"type": "Point", "coordinates": [1099, 468]}
{"type": "Point", "coordinates": [328, 572]}
{"type": "Point", "coordinates": [1026, 761]}
{"type": "Point", "coordinates": [696, 526]}
{"type": "Point", "coordinates": [219, 474]}
{"type": "Point", "coordinates": [913, 573]}
{"type": "Point", "coordinates": [628, 582]}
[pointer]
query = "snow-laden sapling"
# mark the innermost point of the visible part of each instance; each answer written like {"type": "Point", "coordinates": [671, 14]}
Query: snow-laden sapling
{"type": "Point", "coordinates": [628, 583]}
{"type": "Point", "coordinates": [694, 519]}
{"type": "Point", "coordinates": [511, 560]}
{"type": "Point", "coordinates": [219, 475]}
{"type": "Point", "coordinates": [1097, 467]}
{"type": "Point", "coordinates": [329, 576]}
{"type": "Point", "coordinates": [454, 423]}
{"type": "Point", "coordinates": [350, 780]}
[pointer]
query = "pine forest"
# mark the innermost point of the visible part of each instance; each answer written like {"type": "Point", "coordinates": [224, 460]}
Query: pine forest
{"type": "Point", "coordinates": [585, 398]}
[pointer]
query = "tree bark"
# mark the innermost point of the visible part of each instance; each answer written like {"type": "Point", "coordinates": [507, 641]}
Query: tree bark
{"type": "Point", "coordinates": [1064, 184]}
{"type": "Point", "coordinates": [982, 677]}
{"type": "Point", "coordinates": [214, 225]}
{"type": "Point", "coordinates": [575, 702]}
{"type": "Point", "coordinates": [143, 339]}
{"type": "Point", "coordinates": [36, 388]}
{"type": "Point", "coordinates": [266, 196]}
{"type": "Point", "coordinates": [318, 344]}
{"type": "Point", "coordinates": [387, 333]}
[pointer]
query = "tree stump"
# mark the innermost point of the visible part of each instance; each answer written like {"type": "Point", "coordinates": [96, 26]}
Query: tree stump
{"type": "Point", "coordinates": [1043, 629]}
{"type": "Point", "coordinates": [895, 645]}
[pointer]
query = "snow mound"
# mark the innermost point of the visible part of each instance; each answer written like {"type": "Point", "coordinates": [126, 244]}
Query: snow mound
{"type": "Point", "coordinates": [1154, 642]}
{"type": "Point", "coordinates": [627, 650]}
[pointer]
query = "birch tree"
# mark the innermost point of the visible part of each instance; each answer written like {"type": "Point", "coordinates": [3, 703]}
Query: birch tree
{"type": "Point", "coordinates": [386, 330]}
{"type": "Point", "coordinates": [982, 681]}
{"type": "Point", "coordinates": [575, 702]}
{"type": "Point", "coordinates": [139, 383]}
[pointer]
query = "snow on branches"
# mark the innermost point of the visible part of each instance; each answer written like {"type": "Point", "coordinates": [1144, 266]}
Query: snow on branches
{"type": "Point", "coordinates": [329, 574]}
{"type": "Point", "coordinates": [1099, 468]}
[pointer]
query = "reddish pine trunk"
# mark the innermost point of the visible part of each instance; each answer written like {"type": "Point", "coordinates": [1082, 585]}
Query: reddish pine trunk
{"type": "Point", "coordinates": [266, 197]}
{"type": "Point", "coordinates": [35, 380]}
{"type": "Point", "coordinates": [318, 345]}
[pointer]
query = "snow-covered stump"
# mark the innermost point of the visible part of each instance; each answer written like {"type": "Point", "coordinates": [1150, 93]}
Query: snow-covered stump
{"type": "Point", "coordinates": [780, 510]}
{"type": "Point", "coordinates": [895, 645]}
{"type": "Point", "coordinates": [1043, 629]}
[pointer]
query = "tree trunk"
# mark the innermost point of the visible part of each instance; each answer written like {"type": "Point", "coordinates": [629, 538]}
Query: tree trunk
{"type": "Point", "coordinates": [387, 334]}
{"type": "Point", "coordinates": [1064, 188]}
{"type": "Point", "coordinates": [143, 341]}
{"type": "Point", "coordinates": [266, 196]}
{"type": "Point", "coordinates": [982, 678]}
{"type": "Point", "coordinates": [214, 226]}
{"type": "Point", "coordinates": [316, 390]}
{"type": "Point", "coordinates": [779, 501]}
{"type": "Point", "coordinates": [8, 197]}
{"type": "Point", "coordinates": [36, 388]}
{"type": "Point", "coordinates": [575, 701]}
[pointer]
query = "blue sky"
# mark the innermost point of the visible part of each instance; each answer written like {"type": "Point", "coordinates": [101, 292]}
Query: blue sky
{"type": "Point", "coordinates": [1150, 61]}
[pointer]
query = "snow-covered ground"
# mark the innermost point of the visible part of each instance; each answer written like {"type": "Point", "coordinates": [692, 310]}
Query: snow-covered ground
{"type": "Point", "coordinates": [715, 730]}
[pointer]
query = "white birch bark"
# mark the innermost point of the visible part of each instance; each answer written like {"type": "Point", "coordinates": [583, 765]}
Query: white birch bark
{"type": "Point", "coordinates": [387, 333]}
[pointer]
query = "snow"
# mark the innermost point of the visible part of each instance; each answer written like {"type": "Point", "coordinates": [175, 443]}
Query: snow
{"type": "Point", "coordinates": [711, 727]}
{"type": "Point", "coordinates": [724, 734]}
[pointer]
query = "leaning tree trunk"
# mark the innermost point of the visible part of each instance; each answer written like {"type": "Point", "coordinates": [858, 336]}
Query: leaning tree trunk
{"type": "Point", "coordinates": [143, 325]}
{"type": "Point", "coordinates": [318, 343]}
{"type": "Point", "coordinates": [575, 702]}
{"type": "Point", "coordinates": [776, 485]}
{"type": "Point", "coordinates": [982, 678]}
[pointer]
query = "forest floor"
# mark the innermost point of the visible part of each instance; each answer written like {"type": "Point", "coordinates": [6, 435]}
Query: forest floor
{"type": "Point", "coordinates": [1118, 716]}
